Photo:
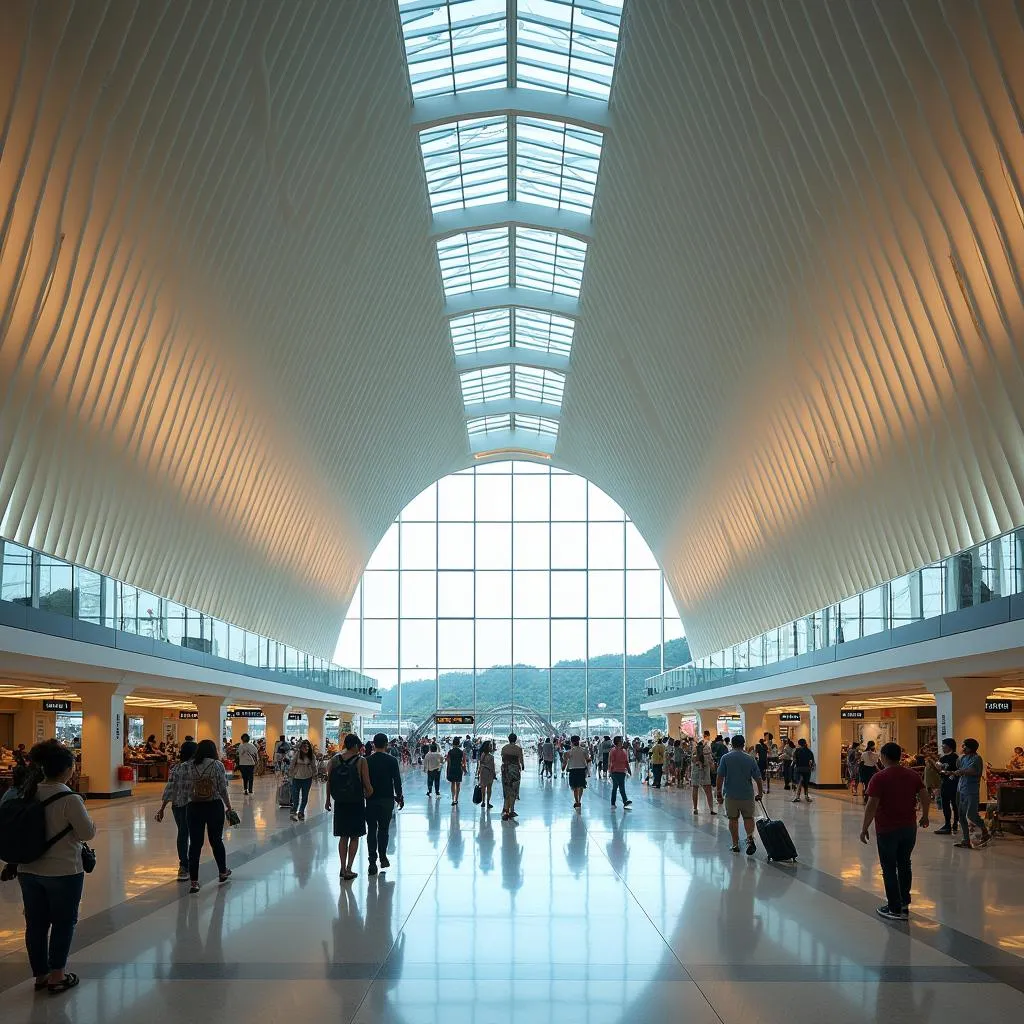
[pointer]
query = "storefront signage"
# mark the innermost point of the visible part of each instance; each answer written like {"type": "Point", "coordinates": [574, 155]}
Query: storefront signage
{"type": "Point", "coordinates": [295, 716]}
{"type": "Point", "coordinates": [189, 716]}
{"type": "Point", "coordinates": [789, 716]}
{"type": "Point", "coordinates": [998, 707]}
{"type": "Point", "coordinates": [56, 705]}
{"type": "Point", "coordinates": [454, 719]}
{"type": "Point", "coordinates": [851, 713]}
{"type": "Point", "coordinates": [330, 718]}
{"type": "Point", "coordinates": [246, 713]}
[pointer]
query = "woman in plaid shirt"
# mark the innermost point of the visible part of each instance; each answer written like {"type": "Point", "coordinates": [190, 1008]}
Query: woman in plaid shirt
{"type": "Point", "coordinates": [176, 793]}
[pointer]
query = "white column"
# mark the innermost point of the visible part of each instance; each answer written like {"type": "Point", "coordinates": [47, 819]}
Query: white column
{"type": "Point", "coordinates": [210, 725]}
{"type": "Point", "coordinates": [707, 718]}
{"type": "Point", "coordinates": [827, 739]}
{"type": "Point", "coordinates": [752, 723]}
{"type": "Point", "coordinates": [316, 734]}
{"type": "Point", "coordinates": [277, 716]}
{"type": "Point", "coordinates": [960, 713]}
{"type": "Point", "coordinates": [103, 737]}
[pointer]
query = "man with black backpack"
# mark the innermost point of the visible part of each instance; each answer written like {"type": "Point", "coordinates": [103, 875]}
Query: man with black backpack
{"type": "Point", "coordinates": [348, 785]}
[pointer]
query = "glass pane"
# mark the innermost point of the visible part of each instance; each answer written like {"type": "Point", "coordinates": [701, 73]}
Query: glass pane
{"type": "Point", "coordinates": [604, 701]}
{"type": "Point", "coordinates": [422, 508]}
{"type": "Point", "coordinates": [531, 495]}
{"type": "Point", "coordinates": [601, 507]}
{"type": "Point", "coordinates": [531, 642]}
{"type": "Point", "coordinates": [419, 595]}
{"type": "Point", "coordinates": [55, 583]}
{"type": "Point", "coordinates": [348, 651]}
{"type": "Point", "coordinates": [494, 595]}
{"type": "Point", "coordinates": [568, 498]}
{"type": "Point", "coordinates": [530, 545]}
{"type": "Point", "coordinates": [380, 594]}
{"type": "Point", "coordinates": [128, 609]}
{"type": "Point", "coordinates": [568, 698]}
{"type": "Point", "coordinates": [569, 594]}
{"type": "Point", "coordinates": [419, 545]}
{"type": "Point", "coordinates": [220, 638]}
{"type": "Point", "coordinates": [643, 643]}
{"type": "Point", "coordinates": [174, 615]}
{"type": "Point", "coordinates": [494, 498]}
{"type": "Point", "coordinates": [493, 686]}
{"type": "Point", "coordinates": [88, 590]}
{"type": "Point", "coordinates": [493, 643]}
{"type": "Point", "coordinates": [455, 687]}
{"type": "Point", "coordinates": [606, 641]}
{"type": "Point", "coordinates": [643, 593]}
{"type": "Point", "coordinates": [455, 643]}
{"type": "Point", "coordinates": [16, 579]}
{"type": "Point", "coordinates": [385, 556]}
{"type": "Point", "coordinates": [455, 596]}
{"type": "Point", "coordinates": [606, 594]}
{"type": "Point", "coordinates": [455, 545]}
{"type": "Point", "coordinates": [677, 650]}
{"type": "Point", "coordinates": [875, 610]}
{"type": "Point", "coordinates": [418, 643]}
{"type": "Point", "coordinates": [493, 546]}
{"type": "Point", "coordinates": [638, 554]}
{"type": "Point", "coordinates": [932, 590]}
{"type": "Point", "coordinates": [568, 545]}
{"type": "Point", "coordinates": [606, 546]}
{"type": "Point", "coordinates": [380, 643]}
{"type": "Point", "coordinates": [530, 594]}
{"type": "Point", "coordinates": [455, 498]}
{"type": "Point", "coordinates": [568, 642]}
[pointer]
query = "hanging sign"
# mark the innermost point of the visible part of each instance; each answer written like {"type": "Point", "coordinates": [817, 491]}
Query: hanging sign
{"type": "Point", "coordinates": [789, 716]}
{"type": "Point", "coordinates": [56, 705]}
{"type": "Point", "coordinates": [851, 713]}
{"type": "Point", "coordinates": [295, 716]}
{"type": "Point", "coordinates": [454, 719]}
{"type": "Point", "coordinates": [998, 707]}
{"type": "Point", "coordinates": [188, 716]}
{"type": "Point", "coordinates": [246, 713]}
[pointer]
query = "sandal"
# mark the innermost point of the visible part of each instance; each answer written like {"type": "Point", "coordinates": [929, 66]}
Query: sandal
{"type": "Point", "coordinates": [70, 981]}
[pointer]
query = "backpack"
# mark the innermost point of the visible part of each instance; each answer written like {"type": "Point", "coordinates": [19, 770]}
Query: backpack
{"type": "Point", "coordinates": [344, 783]}
{"type": "Point", "coordinates": [23, 829]}
{"type": "Point", "coordinates": [202, 787]}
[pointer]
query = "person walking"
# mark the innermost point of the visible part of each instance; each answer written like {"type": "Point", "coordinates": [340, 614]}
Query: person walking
{"type": "Point", "coordinates": [348, 785]}
{"type": "Point", "coordinates": [281, 754]}
{"type": "Point", "coordinates": [853, 766]}
{"type": "Point", "coordinates": [700, 773]}
{"type": "Point", "coordinates": [248, 756]}
{"type": "Point", "coordinates": [432, 766]}
{"type": "Point", "coordinates": [208, 800]}
{"type": "Point", "coordinates": [456, 760]}
{"type": "Point", "coordinates": [176, 792]}
{"type": "Point", "coordinates": [761, 756]}
{"type": "Point", "coordinates": [946, 764]}
{"type": "Point", "coordinates": [894, 794]}
{"type": "Point", "coordinates": [386, 784]}
{"type": "Point", "coordinates": [303, 771]}
{"type": "Point", "coordinates": [512, 765]}
{"type": "Point", "coordinates": [658, 761]}
{"type": "Point", "coordinates": [803, 765]}
{"type": "Point", "coordinates": [578, 761]}
{"type": "Point", "coordinates": [969, 770]}
{"type": "Point", "coordinates": [547, 757]}
{"type": "Point", "coordinates": [737, 773]}
{"type": "Point", "coordinates": [52, 883]}
{"type": "Point", "coordinates": [618, 768]}
{"type": "Point", "coordinates": [606, 749]}
{"type": "Point", "coordinates": [786, 757]}
{"type": "Point", "coordinates": [486, 772]}
{"type": "Point", "coordinates": [868, 766]}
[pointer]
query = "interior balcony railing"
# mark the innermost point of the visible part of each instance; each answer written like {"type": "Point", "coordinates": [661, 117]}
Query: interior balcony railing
{"type": "Point", "coordinates": [980, 586]}
{"type": "Point", "coordinates": [47, 595]}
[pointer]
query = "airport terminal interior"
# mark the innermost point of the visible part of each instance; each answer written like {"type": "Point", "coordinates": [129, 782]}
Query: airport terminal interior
{"type": "Point", "coordinates": [561, 460]}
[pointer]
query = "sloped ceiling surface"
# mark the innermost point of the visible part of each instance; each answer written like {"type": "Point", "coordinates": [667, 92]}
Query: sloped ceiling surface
{"type": "Point", "coordinates": [222, 340]}
{"type": "Point", "coordinates": [799, 360]}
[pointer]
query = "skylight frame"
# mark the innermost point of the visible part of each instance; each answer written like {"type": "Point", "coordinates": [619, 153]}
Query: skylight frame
{"type": "Point", "coordinates": [454, 46]}
{"type": "Point", "coordinates": [568, 46]}
{"type": "Point", "coordinates": [556, 164]}
{"type": "Point", "coordinates": [472, 261]}
{"type": "Point", "coordinates": [549, 261]}
{"type": "Point", "coordinates": [543, 426]}
{"type": "Point", "coordinates": [535, 384]}
{"type": "Point", "coordinates": [489, 384]}
{"type": "Point", "coordinates": [490, 424]}
{"type": "Point", "coordinates": [466, 162]}
{"type": "Point", "coordinates": [482, 331]}
{"type": "Point", "coordinates": [539, 331]}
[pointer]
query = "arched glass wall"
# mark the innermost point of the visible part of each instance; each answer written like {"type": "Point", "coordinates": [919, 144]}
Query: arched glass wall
{"type": "Point", "coordinates": [514, 582]}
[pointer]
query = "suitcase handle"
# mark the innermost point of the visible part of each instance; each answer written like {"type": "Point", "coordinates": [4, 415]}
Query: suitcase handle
{"type": "Point", "coordinates": [767, 816]}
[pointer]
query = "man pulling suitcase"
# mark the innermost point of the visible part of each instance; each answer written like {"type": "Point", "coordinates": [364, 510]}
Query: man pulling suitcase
{"type": "Point", "coordinates": [737, 774]}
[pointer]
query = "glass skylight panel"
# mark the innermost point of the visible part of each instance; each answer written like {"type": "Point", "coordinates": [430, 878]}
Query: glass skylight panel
{"type": "Point", "coordinates": [481, 331]}
{"type": "Point", "coordinates": [492, 384]}
{"type": "Point", "coordinates": [472, 260]}
{"type": "Point", "coordinates": [556, 164]}
{"type": "Point", "coordinates": [544, 332]}
{"type": "Point", "coordinates": [536, 424]}
{"type": "Point", "coordinates": [538, 385]}
{"type": "Point", "coordinates": [454, 45]}
{"type": "Point", "coordinates": [466, 163]}
{"type": "Point", "coordinates": [568, 46]}
{"type": "Point", "coordinates": [489, 424]}
{"type": "Point", "coordinates": [549, 261]}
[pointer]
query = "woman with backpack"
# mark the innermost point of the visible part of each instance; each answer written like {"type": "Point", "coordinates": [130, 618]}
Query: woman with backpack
{"type": "Point", "coordinates": [52, 882]}
{"type": "Point", "coordinates": [348, 784]}
{"type": "Point", "coordinates": [207, 802]}
{"type": "Point", "coordinates": [303, 769]}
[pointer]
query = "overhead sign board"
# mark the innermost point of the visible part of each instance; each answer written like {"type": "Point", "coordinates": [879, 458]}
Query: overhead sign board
{"type": "Point", "coordinates": [246, 713]}
{"type": "Point", "coordinates": [998, 707]}
{"type": "Point", "coordinates": [188, 716]}
{"type": "Point", "coordinates": [454, 719]}
{"type": "Point", "coordinates": [56, 705]}
{"type": "Point", "coordinates": [857, 713]}
{"type": "Point", "coordinates": [789, 716]}
{"type": "Point", "coordinates": [295, 716]}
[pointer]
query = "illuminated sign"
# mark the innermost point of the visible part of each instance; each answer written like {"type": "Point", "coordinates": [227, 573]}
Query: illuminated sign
{"type": "Point", "coordinates": [246, 713]}
{"type": "Point", "coordinates": [454, 719]}
{"type": "Point", "coordinates": [851, 713]}
{"type": "Point", "coordinates": [789, 716]}
{"type": "Point", "coordinates": [998, 707]}
{"type": "Point", "coordinates": [188, 716]}
{"type": "Point", "coordinates": [295, 716]}
{"type": "Point", "coordinates": [56, 705]}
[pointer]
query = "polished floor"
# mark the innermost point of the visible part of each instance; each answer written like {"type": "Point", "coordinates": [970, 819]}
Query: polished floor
{"type": "Point", "coordinates": [605, 916]}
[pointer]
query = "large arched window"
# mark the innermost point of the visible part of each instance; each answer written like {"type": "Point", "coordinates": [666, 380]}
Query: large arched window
{"type": "Point", "coordinates": [513, 582]}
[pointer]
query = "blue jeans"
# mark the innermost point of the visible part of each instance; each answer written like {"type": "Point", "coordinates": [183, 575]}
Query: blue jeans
{"type": "Point", "coordinates": [969, 812]}
{"type": "Point", "coordinates": [181, 821]}
{"type": "Point", "coordinates": [300, 795]}
{"type": "Point", "coordinates": [619, 784]}
{"type": "Point", "coordinates": [51, 913]}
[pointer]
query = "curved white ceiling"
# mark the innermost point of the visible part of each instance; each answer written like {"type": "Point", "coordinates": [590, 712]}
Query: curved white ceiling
{"type": "Point", "coordinates": [223, 339]}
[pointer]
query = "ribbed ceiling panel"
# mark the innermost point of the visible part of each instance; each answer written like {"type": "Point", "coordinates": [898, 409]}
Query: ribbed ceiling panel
{"type": "Point", "coordinates": [223, 353]}
{"type": "Point", "coordinates": [799, 361]}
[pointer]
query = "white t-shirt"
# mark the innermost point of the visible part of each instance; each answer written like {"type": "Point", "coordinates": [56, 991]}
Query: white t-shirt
{"type": "Point", "coordinates": [248, 754]}
{"type": "Point", "coordinates": [65, 856]}
{"type": "Point", "coordinates": [432, 761]}
{"type": "Point", "coordinates": [578, 757]}
{"type": "Point", "coordinates": [869, 758]}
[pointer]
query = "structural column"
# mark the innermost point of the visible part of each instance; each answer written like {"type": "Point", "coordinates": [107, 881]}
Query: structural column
{"type": "Point", "coordinates": [960, 713]}
{"type": "Point", "coordinates": [210, 725]}
{"type": "Point", "coordinates": [707, 718]}
{"type": "Point", "coordinates": [316, 734]}
{"type": "Point", "coordinates": [752, 723]}
{"type": "Point", "coordinates": [103, 738]}
{"type": "Point", "coordinates": [277, 716]}
{"type": "Point", "coordinates": [239, 726]}
{"type": "Point", "coordinates": [827, 740]}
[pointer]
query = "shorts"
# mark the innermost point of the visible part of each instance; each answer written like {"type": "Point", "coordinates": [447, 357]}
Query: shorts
{"type": "Point", "coordinates": [739, 808]}
{"type": "Point", "coordinates": [577, 778]}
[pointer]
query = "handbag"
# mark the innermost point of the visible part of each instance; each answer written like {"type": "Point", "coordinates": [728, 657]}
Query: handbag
{"type": "Point", "coordinates": [478, 794]}
{"type": "Point", "coordinates": [88, 858]}
{"type": "Point", "coordinates": [232, 817]}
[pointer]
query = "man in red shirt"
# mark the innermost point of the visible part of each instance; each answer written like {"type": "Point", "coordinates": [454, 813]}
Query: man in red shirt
{"type": "Point", "coordinates": [893, 796]}
{"type": "Point", "coordinates": [618, 768]}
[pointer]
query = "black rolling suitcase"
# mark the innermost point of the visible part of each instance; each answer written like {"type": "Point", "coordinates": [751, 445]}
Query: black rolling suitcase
{"type": "Point", "coordinates": [775, 838]}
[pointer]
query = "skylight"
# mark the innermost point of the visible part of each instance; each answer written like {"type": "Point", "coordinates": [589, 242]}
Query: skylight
{"type": "Point", "coordinates": [472, 260]}
{"type": "Point", "coordinates": [466, 163]}
{"type": "Point", "coordinates": [549, 261]}
{"type": "Point", "coordinates": [454, 46]}
{"type": "Point", "coordinates": [536, 424]}
{"type": "Point", "coordinates": [489, 424]}
{"type": "Point", "coordinates": [481, 332]}
{"type": "Point", "coordinates": [538, 385]}
{"type": "Point", "coordinates": [568, 46]}
{"type": "Point", "coordinates": [544, 332]}
{"type": "Point", "coordinates": [492, 384]}
{"type": "Point", "coordinates": [556, 164]}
